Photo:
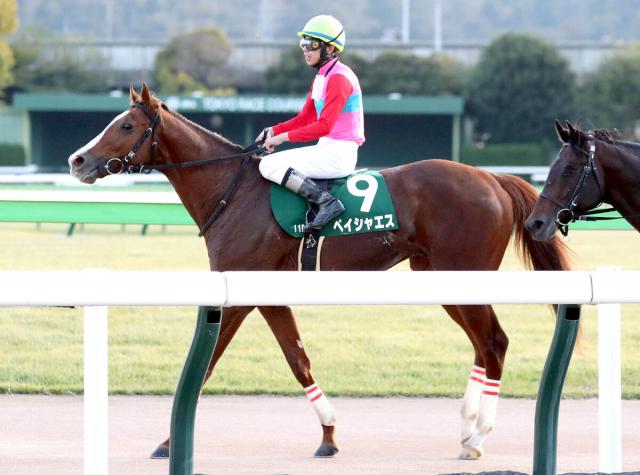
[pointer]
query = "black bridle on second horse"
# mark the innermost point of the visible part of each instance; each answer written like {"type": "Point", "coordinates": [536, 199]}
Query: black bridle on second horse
{"type": "Point", "coordinates": [567, 214]}
{"type": "Point", "coordinates": [150, 131]}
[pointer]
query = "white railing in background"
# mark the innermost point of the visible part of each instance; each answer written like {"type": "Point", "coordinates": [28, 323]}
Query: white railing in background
{"type": "Point", "coordinates": [13, 176]}
{"type": "Point", "coordinates": [28, 175]}
{"type": "Point", "coordinates": [96, 288]}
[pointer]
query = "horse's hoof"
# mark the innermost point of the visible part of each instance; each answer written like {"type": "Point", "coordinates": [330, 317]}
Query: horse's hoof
{"type": "Point", "coordinates": [326, 450]}
{"type": "Point", "coordinates": [161, 452]}
{"type": "Point", "coordinates": [470, 453]}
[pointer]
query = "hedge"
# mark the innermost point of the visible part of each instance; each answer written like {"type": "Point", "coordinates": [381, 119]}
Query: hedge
{"type": "Point", "coordinates": [12, 155]}
{"type": "Point", "coordinates": [518, 154]}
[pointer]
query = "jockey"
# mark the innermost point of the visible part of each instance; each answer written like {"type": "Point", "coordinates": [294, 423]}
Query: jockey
{"type": "Point", "coordinates": [332, 113]}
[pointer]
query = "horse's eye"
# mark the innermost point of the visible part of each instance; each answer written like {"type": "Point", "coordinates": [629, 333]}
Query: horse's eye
{"type": "Point", "coordinates": [127, 126]}
{"type": "Point", "coordinates": [569, 171]}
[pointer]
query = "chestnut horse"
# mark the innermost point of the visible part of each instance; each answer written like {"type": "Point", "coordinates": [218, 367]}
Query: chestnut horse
{"type": "Point", "coordinates": [451, 217]}
{"type": "Point", "coordinates": [590, 169]}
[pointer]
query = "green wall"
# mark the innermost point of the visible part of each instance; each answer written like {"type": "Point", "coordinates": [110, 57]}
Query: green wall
{"type": "Point", "coordinates": [397, 131]}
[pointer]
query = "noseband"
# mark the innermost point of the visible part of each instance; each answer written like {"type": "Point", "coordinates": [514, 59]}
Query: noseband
{"type": "Point", "coordinates": [566, 214]}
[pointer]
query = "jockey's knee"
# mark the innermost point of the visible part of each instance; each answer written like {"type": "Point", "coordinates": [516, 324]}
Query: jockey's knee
{"type": "Point", "coordinates": [264, 167]}
{"type": "Point", "coordinates": [271, 171]}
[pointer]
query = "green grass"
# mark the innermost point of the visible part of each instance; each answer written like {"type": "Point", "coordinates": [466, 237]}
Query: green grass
{"type": "Point", "coordinates": [355, 350]}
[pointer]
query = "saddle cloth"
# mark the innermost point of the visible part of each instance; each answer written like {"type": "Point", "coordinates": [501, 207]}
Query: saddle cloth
{"type": "Point", "coordinates": [368, 204]}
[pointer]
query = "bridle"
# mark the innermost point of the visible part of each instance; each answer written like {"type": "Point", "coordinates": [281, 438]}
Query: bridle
{"type": "Point", "coordinates": [125, 160]}
{"type": "Point", "coordinates": [127, 167]}
{"type": "Point", "coordinates": [254, 149]}
{"type": "Point", "coordinates": [567, 214]}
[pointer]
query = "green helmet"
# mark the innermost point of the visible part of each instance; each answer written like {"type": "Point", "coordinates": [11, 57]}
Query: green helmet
{"type": "Point", "coordinates": [325, 28]}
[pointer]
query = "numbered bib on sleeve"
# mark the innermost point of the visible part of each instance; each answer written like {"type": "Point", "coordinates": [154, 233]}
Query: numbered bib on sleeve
{"type": "Point", "coordinates": [369, 207]}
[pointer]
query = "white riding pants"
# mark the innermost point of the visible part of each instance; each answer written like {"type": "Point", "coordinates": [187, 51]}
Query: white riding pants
{"type": "Point", "coordinates": [329, 158]}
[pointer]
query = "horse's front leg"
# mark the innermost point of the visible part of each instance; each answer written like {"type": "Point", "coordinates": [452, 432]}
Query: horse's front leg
{"type": "Point", "coordinates": [283, 325]}
{"type": "Point", "coordinates": [232, 318]}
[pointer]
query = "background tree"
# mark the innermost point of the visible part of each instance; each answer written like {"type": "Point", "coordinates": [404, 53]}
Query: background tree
{"type": "Point", "coordinates": [67, 70]}
{"type": "Point", "coordinates": [610, 97]}
{"type": "Point", "coordinates": [520, 85]}
{"type": "Point", "coordinates": [356, 62]}
{"type": "Point", "coordinates": [390, 72]}
{"type": "Point", "coordinates": [194, 61]}
{"type": "Point", "coordinates": [409, 74]}
{"type": "Point", "coordinates": [291, 75]}
{"type": "Point", "coordinates": [8, 23]}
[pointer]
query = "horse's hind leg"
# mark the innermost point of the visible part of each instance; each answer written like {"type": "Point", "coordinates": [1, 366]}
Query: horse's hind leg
{"type": "Point", "coordinates": [232, 318]}
{"type": "Point", "coordinates": [283, 324]}
{"type": "Point", "coordinates": [491, 343]}
{"type": "Point", "coordinates": [470, 411]}
{"type": "Point", "coordinates": [472, 405]}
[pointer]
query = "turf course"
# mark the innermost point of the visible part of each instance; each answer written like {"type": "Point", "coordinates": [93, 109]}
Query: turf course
{"type": "Point", "coordinates": [355, 350]}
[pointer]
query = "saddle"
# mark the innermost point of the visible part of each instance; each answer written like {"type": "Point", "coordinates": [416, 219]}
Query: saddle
{"type": "Point", "coordinates": [364, 194]}
{"type": "Point", "coordinates": [368, 204]}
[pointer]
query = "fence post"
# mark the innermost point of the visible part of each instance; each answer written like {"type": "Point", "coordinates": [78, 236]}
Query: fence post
{"type": "Point", "coordinates": [96, 390]}
{"type": "Point", "coordinates": [609, 386]}
{"type": "Point", "coordinates": [550, 391]}
{"type": "Point", "coordinates": [185, 401]}
{"type": "Point", "coordinates": [609, 389]}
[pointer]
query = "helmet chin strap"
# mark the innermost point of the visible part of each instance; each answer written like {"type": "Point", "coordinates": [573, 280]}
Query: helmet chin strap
{"type": "Point", "coordinates": [324, 57]}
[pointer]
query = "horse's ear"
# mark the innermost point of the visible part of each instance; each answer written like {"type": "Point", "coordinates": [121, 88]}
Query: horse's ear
{"type": "Point", "coordinates": [574, 134]}
{"type": "Point", "coordinates": [563, 134]}
{"type": "Point", "coordinates": [133, 94]}
{"type": "Point", "coordinates": [146, 94]}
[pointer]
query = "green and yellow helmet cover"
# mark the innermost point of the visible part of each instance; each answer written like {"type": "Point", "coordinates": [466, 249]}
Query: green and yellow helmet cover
{"type": "Point", "coordinates": [325, 28]}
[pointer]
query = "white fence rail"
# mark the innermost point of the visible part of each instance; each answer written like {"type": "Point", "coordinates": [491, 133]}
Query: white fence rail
{"type": "Point", "coordinates": [97, 288]}
{"type": "Point", "coordinates": [153, 288]}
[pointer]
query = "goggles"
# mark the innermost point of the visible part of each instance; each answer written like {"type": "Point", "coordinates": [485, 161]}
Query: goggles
{"type": "Point", "coordinates": [310, 44]}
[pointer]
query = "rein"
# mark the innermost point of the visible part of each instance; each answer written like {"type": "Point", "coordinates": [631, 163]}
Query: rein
{"type": "Point", "coordinates": [587, 215]}
{"type": "Point", "coordinates": [150, 131]}
{"type": "Point", "coordinates": [142, 168]}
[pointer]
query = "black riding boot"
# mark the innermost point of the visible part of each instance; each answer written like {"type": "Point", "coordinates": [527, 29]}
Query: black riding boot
{"type": "Point", "coordinates": [328, 206]}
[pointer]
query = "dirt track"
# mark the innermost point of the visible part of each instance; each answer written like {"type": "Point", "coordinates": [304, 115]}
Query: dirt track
{"type": "Point", "coordinates": [276, 435]}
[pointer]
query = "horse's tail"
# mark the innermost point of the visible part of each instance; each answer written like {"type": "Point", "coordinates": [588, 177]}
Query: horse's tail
{"type": "Point", "coordinates": [536, 255]}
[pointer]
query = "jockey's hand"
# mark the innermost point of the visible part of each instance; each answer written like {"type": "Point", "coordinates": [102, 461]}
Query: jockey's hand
{"type": "Point", "coordinates": [272, 142]}
{"type": "Point", "coordinates": [265, 134]}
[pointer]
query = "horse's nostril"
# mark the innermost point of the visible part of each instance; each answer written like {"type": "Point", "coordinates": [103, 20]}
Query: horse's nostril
{"type": "Point", "coordinates": [533, 224]}
{"type": "Point", "coordinates": [77, 161]}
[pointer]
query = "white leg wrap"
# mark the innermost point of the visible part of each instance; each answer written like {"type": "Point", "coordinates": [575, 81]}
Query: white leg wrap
{"type": "Point", "coordinates": [488, 405]}
{"type": "Point", "coordinates": [486, 418]}
{"type": "Point", "coordinates": [321, 405]}
{"type": "Point", "coordinates": [471, 402]}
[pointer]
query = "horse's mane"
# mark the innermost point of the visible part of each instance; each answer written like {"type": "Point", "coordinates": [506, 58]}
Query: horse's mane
{"type": "Point", "coordinates": [219, 139]}
{"type": "Point", "coordinates": [606, 135]}
{"type": "Point", "coordinates": [613, 137]}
